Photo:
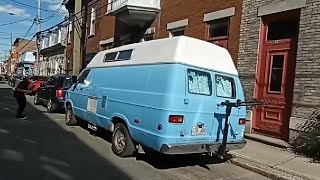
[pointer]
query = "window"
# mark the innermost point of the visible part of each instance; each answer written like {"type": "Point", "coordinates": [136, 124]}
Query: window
{"type": "Point", "coordinates": [92, 21]}
{"type": "Point", "coordinates": [148, 37]}
{"type": "Point", "coordinates": [177, 32]}
{"type": "Point", "coordinates": [110, 56]}
{"type": "Point", "coordinates": [281, 30]}
{"type": "Point", "coordinates": [67, 82]}
{"type": "Point", "coordinates": [276, 73]}
{"type": "Point", "coordinates": [83, 76]}
{"type": "Point", "coordinates": [225, 87]}
{"type": "Point", "coordinates": [118, 56]}
{"type": "Point", "coordinates": [219, 28]}
{"type": "Point", "coordinates": [125, 55]}
{"type": "Point", "coordinates": [199, 82]}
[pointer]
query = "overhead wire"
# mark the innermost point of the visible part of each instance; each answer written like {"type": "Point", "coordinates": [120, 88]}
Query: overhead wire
{"type": "Point", "coordinates": [67, 20]}
{"type": "Point", "coordinates": [53, 14]}
{"type": "Point", "coordinates": [26, 5]}
{"type": "Point", "coordinates": [15, 22]}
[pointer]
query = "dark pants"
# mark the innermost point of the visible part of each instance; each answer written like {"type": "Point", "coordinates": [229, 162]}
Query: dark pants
{"type": "Point", "coordinates": [21, 100]}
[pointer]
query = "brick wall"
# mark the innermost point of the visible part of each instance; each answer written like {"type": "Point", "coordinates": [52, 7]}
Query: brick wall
{"type": "Point", "coordinates": [107, 26]}
{"type": "Point", "coordinates": [194, 10]}
{"type": "Point", "coordinates": [307, 79]}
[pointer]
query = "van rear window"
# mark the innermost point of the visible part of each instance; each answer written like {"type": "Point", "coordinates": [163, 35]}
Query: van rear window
{"type": "Point", "coordinates": [199, 82]}
{"type": "Point", "coordinates": [225, 87]}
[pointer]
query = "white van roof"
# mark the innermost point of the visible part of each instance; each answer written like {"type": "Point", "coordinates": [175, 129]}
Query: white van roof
{"type": "Point", "coordinates": [179, 49]}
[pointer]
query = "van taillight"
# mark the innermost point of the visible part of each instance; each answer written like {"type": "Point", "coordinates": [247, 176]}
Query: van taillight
{"type": "Point", "coordinates": [175, 119]}
{"type": "Point", "coordinates": [242, 121]}
{"type": "Point", "coordinates": [59, 93]}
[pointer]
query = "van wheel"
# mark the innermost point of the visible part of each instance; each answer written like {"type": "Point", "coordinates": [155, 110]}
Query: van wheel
{"type": "Point", "coordinates": [36, 99]}
{"type": "Point", "coordinates": [70, 118]}
{"type": "Point", "coordinates": [51, 106]}
{"type": "Point", "coordinates": [122, 144]}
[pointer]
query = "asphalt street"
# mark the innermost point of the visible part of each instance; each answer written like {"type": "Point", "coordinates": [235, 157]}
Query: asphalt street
{"type": "Point", "coordinates": [42, 147]}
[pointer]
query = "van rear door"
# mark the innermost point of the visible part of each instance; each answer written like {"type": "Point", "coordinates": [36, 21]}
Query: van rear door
{"type": "Point", "coordinates": [200, 104]}
{"type": "Point", "coordinates": [225, 89]}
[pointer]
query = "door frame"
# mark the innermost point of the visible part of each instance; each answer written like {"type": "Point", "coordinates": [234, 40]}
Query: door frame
{"type": "Point", "coordinates": [289, 45]}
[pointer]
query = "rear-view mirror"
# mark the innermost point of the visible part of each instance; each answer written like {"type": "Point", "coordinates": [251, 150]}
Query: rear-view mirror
{"type": "Point", "coordinates": [74, 79]}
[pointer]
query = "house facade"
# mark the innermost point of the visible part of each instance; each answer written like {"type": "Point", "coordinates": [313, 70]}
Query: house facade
{"type": "Point", "coordinates": [117, 22]}
{"type": "Point", "coordinates": [19, 47]}
{"type": "Point", "coordinates": [52, 52]}
{"type": "Point", "coordinates": [279, 63]}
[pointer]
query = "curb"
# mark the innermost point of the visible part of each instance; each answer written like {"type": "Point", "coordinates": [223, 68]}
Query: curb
{"type": "Point", "coordinates": [265, 170]}
{"type": "Point", "coordinates": [264, 141]}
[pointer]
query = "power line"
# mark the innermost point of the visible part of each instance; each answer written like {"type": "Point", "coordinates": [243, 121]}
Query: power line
{"type": "Point", "coordinates": [27, 43]}
{"type": "Point", "coordinates": [13, 22]}
{"type": "Point", "coordinates": [26, 5]}
{"type": "Point", "coordinates": [53, 14]}
{"type": "Point", "coordinates": [28, 31]}
{"type": "Point", "coordinates": [74, 15]}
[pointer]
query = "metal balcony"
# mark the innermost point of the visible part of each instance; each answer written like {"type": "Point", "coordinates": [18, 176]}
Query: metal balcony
{"type": "Point", "coordinates": [134, 12]}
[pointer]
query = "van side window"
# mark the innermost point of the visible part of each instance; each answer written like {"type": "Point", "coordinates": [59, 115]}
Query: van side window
{"type": "Point", "coordinates": [118, 56]}
{"type": "Point", "coordinates": [125, 55]}
{"type": "Point", "coordinates": [83, 76]}
{"type": "Point", "coordinates": [199, 82]}
{"type": "Point", "coordinates": [225, 87]}
{"type": "Point", "coordinates": [110, 56]}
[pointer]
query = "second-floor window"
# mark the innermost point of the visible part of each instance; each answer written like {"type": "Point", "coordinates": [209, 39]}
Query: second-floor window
{"type": "Point", "coordinates": [92, 21]}
{"type": "Point", "coordinates": [177, 32]}
{"type": "Point", "coordinates": [218, 32]}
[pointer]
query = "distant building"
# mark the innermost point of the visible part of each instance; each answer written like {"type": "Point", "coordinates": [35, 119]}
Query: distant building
{"type": "Point", "coordinates": [52, 52]}
{"type": "Point", "coordinates": [19, 47]}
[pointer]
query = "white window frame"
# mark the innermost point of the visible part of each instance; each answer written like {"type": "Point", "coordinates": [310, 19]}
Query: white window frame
{"type": "Point", "coordinates": [92, 22]}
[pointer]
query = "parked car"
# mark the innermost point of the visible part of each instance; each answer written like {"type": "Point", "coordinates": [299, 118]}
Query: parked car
{"type": "Point", "coordinates": [51, 92]}
{"type": "Point", "coordinates": [35, 83]}
{"type": "Point", "coordinates": [167, 95]}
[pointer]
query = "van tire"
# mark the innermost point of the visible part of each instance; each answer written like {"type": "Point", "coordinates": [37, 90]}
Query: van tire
{"type": "Point", "coordinates": [70, 118]}
{"type": "Point", "coordinates": [128, 147]}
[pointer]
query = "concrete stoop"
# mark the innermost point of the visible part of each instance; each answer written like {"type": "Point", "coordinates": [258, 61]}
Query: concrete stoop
{"type": "Point", "coordinates": [266, 170]}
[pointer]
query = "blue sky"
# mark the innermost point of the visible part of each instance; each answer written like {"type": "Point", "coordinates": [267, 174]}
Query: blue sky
{"type": "Point", "coordinates": [23, 11]}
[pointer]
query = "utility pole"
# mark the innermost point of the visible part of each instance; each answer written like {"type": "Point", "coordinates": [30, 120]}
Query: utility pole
{"type": "Point", "coordinates": [38, 36]}
{"type": "Point", "coordinates": [10, 55]}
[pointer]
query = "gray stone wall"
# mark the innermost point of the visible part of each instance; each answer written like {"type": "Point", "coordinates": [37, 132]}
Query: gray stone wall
{"type": "Point", "coordinates": [306, 98]}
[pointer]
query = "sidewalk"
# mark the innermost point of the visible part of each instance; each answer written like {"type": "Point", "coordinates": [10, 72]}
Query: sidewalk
{"type": "Point", "coordinates": [275, 163]}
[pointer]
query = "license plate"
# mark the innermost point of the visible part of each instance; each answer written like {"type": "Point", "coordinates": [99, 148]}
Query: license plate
{"type": "Point", "coordinates": [196, 130]}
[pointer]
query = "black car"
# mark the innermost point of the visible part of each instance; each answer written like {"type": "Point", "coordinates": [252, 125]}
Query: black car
{"type": "Point", "coordinates": [51, 92]}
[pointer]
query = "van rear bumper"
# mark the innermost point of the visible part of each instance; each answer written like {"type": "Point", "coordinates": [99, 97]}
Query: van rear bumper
{"type": "Point", "coordinates": [199, 148]}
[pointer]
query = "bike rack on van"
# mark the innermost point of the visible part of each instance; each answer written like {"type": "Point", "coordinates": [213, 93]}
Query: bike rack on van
{"type": "Point", "coordinates": [229, 105]}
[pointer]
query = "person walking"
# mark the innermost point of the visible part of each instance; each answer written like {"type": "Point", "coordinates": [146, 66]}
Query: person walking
{"type": "Point", "coordinates": [19, 94]}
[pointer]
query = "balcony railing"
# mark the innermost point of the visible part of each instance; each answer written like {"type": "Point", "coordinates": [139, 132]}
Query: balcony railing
{"type": "Point", "coordinates": [115, 5]}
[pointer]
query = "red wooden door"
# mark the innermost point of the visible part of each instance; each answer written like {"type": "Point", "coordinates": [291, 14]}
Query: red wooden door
{"type": "Point", "coordinates": [274, 85]}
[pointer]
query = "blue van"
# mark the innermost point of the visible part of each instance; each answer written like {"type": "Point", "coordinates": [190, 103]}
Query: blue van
{"type": "Point", "coordinates": [164, 95]}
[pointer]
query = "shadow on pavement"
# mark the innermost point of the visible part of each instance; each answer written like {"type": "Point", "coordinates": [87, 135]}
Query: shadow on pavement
{"type": "Point", "coordinates": [162, 161]}
{"type": "Point", "coordinates": [37, 148]}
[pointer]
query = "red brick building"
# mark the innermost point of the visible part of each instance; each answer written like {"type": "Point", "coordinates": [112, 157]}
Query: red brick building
{"type": "Point", "coordinates": [117, 22]}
